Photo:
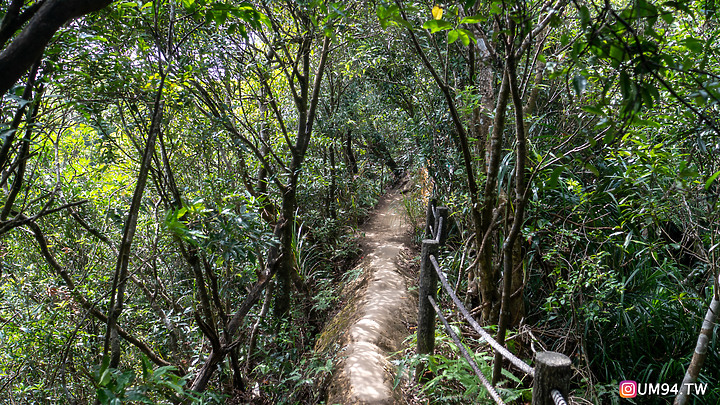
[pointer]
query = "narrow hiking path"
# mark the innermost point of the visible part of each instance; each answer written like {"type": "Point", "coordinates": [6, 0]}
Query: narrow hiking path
{"type": "Point", "coordinates": [373, 321]}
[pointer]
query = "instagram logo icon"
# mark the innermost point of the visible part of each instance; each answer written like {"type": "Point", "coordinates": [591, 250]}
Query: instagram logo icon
{"type": "Point", "coordinates": [628, 389]}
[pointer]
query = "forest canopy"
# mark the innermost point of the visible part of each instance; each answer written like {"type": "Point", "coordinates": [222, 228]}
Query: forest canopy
{"type": "Point", "coordinates": [184, 184]}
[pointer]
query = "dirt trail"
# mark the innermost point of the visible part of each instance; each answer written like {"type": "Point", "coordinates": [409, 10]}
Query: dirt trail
{"type": "Point", "coordinates": [377, 309]}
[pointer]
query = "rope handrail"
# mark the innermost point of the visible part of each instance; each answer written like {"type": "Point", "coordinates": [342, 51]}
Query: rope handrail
{"type": "Point", "coordinates": [551, 372]}
{"type": "Point", "coordinates": [558, 397]}
{"type": "Point", "coordinates": [430, 220]}
{"type": "Point", "coordinates": [438, 233]}
{"type": "Point", "coordinates": [521, 365]}
{"type": "Point", "coordinates": [470, 360]}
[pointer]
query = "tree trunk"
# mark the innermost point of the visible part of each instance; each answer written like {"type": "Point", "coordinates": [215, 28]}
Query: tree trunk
{"type": "Point", "coordinates": [482, 222]}
{"type": "Point", "coordinates": [306, 105]}
{"type": "Point", "coordinates": [29, 45]}
{"type": "Point", "coordinates": [286, 264]}
{"type": "Point", "coordinates": [516, 306]}
{"type": "Point", "coordinates": [331, 191]}
{"type": "Point", "coordinates": [217, 355]}
{"type": "Point", "coordinates": [700, 354]}
{"type": "Point", "coordinates": [256, 326]}
{"type": "Point", "coordinates": [519, 205]}
{"type": "Point", "coordinates": [117, 298]}
{"type": "Point", "coordinates": [352, 163]}
{"type": "Point", "coordinates": [5, 155]}
{"type": "Point", "coordinates": [488, 274]}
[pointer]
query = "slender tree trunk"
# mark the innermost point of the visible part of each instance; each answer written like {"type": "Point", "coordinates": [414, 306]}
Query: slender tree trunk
{"type": "Point", "coordinates": [482, 221]}
{"type": "Point", "coordinates": [254, 333]}
{"type": "Point", "coordinates": [117, 298]}
{"type": "Point", "coordinates": [287, 262]}
{"type": "Point", "coordinates": [333, 185]}
{"type": "Point", "coordinates": [306, 105]}
{"type": "Point", "coordinates": [238, 382]}
{"type": "Point", "coordinates": [262, 173]}
{"type": "Point", "coordinates": [22, 158]}
{"type": "Point", "coordinates": [517, 299]}
{"type": "Point", "coordinates": [487, 274]}
{"type": "Point", "coordinates": [17, 119]}
{"type": "Point", "coordinates": [349, 153]}
{"type": "Point", "coordinates": [700, 354]}
{"type": "Point", "coordinates": [218, 355]}
{"type": "Point", "coordinates": [519, 205]}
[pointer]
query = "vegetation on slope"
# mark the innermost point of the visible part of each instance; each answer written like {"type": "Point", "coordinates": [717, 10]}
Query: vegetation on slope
{"type": "Point", "coordinates": [182, 182]}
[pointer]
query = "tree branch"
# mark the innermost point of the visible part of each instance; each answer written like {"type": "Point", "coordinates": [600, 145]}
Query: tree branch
{"type": "Point", "coordinates": [30, 44]}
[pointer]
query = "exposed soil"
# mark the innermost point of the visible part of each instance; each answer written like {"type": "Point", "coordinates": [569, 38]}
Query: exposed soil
{"type": "Point", "coordinates": [377, 309]}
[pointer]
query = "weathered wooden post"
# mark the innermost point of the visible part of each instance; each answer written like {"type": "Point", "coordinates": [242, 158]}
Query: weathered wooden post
{"type": "Point", "coordinates": [429, 218]}
{"type": "Point", "coordinates": [552, 372]}
{"type": "Point", "coordinates": [426, 313]}
{"type": "Point", "coordinates": [442, 218]}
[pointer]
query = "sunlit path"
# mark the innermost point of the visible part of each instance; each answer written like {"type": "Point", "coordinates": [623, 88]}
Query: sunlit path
{"type": "Point", "coordinates": [364, 374]}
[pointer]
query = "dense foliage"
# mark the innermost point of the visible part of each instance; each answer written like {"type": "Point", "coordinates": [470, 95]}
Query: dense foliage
{"type": "Point", "coordinates": [182, 182]}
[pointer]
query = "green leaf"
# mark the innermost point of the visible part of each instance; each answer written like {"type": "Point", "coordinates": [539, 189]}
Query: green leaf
{"type": "Point", "coordinates": [617, 54]}
{"type": "Point", "coordinates": [625, 86]}
{"type": "Point", "coordinates": [381, 12]}
{"type": "Point", "coordinates": [473, 19]}
{"type": "Point", "coordinates": [609, 137]}
{"type": "Point", "coordinates": [564, 39]}
{"type": "Point", "coordinates": [710, 181]}
{"type": "Point", "coordinates": [579, 84]}
{"type": "Point", "coordinates": [592, 169]}
{"type": "Point", "coordinates": [553, 180]}
{"type": "Point", "coordinates": [4, 134]}
{"type": "Point", "coordinates": [105, 378]}
{"type": "Point", "coordinates": [577, 48]}
{"type": "Point", "coordinates": [646, 97]}
{"type": "Point", "coordinates": [146, 368]}
{"type": "Point", "coordinates": [220, 16]}
{"type": "Point", "coordinates": [125, 379]}
{"type": "Point", "coordinates": [105, 396]}
{"type": "Point", "coordinates": [628, 239]}
{"type": "Point", "coordinates": [584, 15]}
{"type": "Point", "coordinates": [669, 18]}
{"type": "Point", "coordinates": [685, 172]}
{"type": "Point", "coordinates": [466, 36]}
{"type": "Point", "coordinates": [437, 25]}
{"type": "Point", "coordinates": [453, 36]}
{"type": "Point", "coordinates": [693, 44]}
{"type": "Point", "coordinates": [386, 15]}
{"type": "Point", "coordinates": [701, 97]}
{"type": "Point", "coordinates": [679, 5]}
{"type": "Point", "coordinates": [188, 4]}
{"type": "Point", "coordinates": [593, 110]}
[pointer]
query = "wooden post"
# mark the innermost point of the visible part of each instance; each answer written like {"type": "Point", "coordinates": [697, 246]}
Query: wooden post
{"type": "Point", "coordinates": [382, 174]}
{"type": "Point", "coordinates": [429, 219]}
{"type": "Point", "coordinates": [426, 313]}
{"type": "Point", "coordinates": [443, 213]}
{"type": "Point", "coordinates": [552, 371]}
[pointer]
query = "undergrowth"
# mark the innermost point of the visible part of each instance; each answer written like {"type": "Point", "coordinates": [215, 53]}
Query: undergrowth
{"type": "Point", "coordinates": [447, 376]}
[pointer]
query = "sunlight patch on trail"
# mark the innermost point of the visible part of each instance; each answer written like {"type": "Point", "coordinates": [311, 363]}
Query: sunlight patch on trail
{"type": "Point", "coordinates": [364, 375]}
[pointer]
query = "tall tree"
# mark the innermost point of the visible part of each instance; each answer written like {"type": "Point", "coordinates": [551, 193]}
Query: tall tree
{"type": "Point", "coordinates": [286, 57]}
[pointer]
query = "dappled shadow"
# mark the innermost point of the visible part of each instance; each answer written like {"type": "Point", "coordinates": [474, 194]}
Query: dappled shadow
{"type": "Point", "coordinates": [364, 376]}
